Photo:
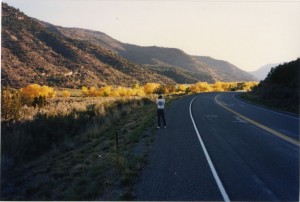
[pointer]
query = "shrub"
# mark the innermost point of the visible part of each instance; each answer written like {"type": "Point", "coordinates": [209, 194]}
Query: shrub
{"type": "Point", "coordinates": [10, 104]}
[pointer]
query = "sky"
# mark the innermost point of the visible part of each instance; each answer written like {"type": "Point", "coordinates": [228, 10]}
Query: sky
{"type": "Point", "coordinates": [248, 34]}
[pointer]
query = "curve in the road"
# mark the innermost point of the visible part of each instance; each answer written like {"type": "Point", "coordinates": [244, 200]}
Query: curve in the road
{"type": "Point", "coordinates": [268, 110]}
{"type": "Point", "coordinates": [276, 133]}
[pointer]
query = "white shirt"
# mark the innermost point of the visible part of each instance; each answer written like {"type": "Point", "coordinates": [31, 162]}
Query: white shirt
{"type": "Point", "coordinates": [160, 103]}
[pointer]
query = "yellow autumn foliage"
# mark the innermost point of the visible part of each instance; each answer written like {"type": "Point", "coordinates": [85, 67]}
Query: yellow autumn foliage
{"type": "Point", "coordinates": [84, 91]}
{"type": "Point", "coordinates": [105, 91]}
{"type": "Point", "coordinates": [31, 91]}
{"type": "Point", "coordinates": [155, 88]}
{"type": "Point", "coordinates": [89, 92]}
{"type": "Point", "coordinates": [149, 88]}
{"type": "Point", "coordinates": [182, 87]}
{"type": "Point", "coordinates": [200, 87]}
{"type": "Point", "coordinates": [66, 93]}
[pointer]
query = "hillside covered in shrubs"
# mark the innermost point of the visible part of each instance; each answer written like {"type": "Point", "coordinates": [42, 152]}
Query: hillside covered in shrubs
{"type": "Point", "coordinates": [33, 54]}
{"type": "Point", "coordinates": [280, 88]}
{"type": "Point", "coordinates": [39, 52]}
{"type": "Point", "coordinates": [170, 62]}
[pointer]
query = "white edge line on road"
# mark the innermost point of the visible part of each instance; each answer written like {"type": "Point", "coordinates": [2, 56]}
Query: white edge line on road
{"type": "Point", "coordinates": [212, 168]}
{"type": "Point", "coordinates": [233, 95]}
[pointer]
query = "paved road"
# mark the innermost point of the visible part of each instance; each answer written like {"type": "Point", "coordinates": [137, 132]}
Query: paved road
{"type": "Point", "coordinates": [239, 160]}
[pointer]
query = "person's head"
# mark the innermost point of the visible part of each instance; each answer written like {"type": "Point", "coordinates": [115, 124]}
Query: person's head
{"type": "Point", "coordinates": [160, 97]}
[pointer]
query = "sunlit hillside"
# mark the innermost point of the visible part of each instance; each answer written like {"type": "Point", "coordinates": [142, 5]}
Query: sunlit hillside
{"type": "Point", "coordinates": [32, 54]}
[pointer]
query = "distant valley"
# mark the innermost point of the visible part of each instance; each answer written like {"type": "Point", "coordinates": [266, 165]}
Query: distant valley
{"type": "Point", "coordinates": [39, 52]}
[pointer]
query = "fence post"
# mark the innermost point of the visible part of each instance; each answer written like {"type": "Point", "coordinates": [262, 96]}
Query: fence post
{"type": "Point", "coordinates": [117, 144]}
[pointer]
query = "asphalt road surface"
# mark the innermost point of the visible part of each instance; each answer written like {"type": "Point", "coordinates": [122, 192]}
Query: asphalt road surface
{"type": "Point", "coordinates": [218, 148]}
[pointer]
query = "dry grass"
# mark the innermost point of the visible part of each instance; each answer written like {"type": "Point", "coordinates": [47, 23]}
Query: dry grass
{"type": "Point", "coordinates": [66, 151]}
{"type": "Point", "coordinates": [83, 165]}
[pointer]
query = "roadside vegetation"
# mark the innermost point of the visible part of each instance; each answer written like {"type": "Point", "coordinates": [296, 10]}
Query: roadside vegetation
{"type": "Point", "coordinates": [280, 89]}
{"type": "Point", "coordinates": [81, 144]}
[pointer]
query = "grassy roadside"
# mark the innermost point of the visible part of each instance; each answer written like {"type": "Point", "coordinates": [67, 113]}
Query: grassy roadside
{"type": "Point", "coordinates": [92, 170]}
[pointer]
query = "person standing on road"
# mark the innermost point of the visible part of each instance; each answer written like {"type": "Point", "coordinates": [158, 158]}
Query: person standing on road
{"type": "Point", "coordinates": [160, 111]}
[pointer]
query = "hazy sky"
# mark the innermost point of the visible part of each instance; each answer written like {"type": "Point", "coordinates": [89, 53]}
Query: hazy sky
{"type": "Point", "coordinates": [248, 34]}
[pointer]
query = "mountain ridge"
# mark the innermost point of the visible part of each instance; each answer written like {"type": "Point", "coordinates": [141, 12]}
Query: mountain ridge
{"type": "Point", "coordinates": [34, 51]}
{"type": "Point", "coordinates": [33, 54]}
{"type": "Point", "coordinates": [225, 69]}
{"type": "Point", "coordinates": [155, 56]}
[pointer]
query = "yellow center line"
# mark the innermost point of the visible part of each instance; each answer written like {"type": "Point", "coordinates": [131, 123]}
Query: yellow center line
{"type": "Point", "coordinates": [276, 133]}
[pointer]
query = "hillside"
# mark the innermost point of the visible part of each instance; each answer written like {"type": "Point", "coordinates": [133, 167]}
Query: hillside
{"type": "Point", "coordinates": [225, 70]}
{"type": "Point", "coordinates": [32, 53]}
{"type": "Point", "coordinates": [159, 60]}
{"type": "Point", "coordinates": [170, 62]}
{"type": "Point", "coordinates": [281, 87]}
{"type": "Point", "coordinates": [38, 52]}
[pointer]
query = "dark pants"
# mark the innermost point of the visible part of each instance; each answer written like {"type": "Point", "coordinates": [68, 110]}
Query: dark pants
{"type": "Point", "coordinates": [161, 115]}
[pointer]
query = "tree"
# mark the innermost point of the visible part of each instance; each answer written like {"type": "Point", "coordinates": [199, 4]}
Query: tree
{"type": "Point", "coordinates": [200, 87]}
{"type": "Point", "coordinates": [11, 104]}
{"type": "Point", "coordinates": [170, 89]}
{"type": "Point", "coordinates": [66, 93]}
{"type": "Point", "coordinates": [39, 101]}
{"type": "Point", "coordinates": [84, 91]}
{"type": "Point", "coordinates": [92, 92]}
{"type": "Point", "coordinates": [149, 88]}
{"type": "Point", "coordinates": [30, 92]}
{"type": "Point", "coordinates": [34, 90]}
{"type": "Point", "coordinates": [105, 91]}
{"type": "Point", "coordinates": [161, 89]}
{"type": "Point", "coordinates": [217, 86]}
{"type": "Point", "coordinates": [182, 87]}
{"type": "Point", "coordinates": [121, 91]}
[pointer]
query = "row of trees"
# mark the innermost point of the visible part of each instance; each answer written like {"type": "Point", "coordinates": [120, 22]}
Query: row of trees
{"type": "Point", "coordinates": [135, 90]}
{"type": "Point", "coordinates": [35, 95]}
{"type": "Point", "coordinates": [221, 86]}
{"type": "Point", "coordinates": [155, 88]}
{"type": "Point", "coordinates": [32, 91]}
